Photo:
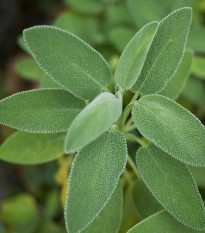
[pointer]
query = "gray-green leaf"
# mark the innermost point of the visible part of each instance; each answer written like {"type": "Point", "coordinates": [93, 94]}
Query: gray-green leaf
{"type": "Point", "coordinates": [133, 57]}
{"type": "Point", "coordinates": [173, 186]}
{"type": "Point", "coordinates": [171, 127]}
{"type": "Point", "coordinates": [40, 111]}
{"type": "Point", "coordinates": [175, 86]}
{"type": "Point", "coordinates": [101, 162]}
{"type": "Point", "coordinates": [25, 148]}
{"type": "Point", "coordinates": [166, 52]}
{"type": "Point", "coordinates": [110, 218]}
{"type": "Point", "coordinates": [68, 60]}
{"type": "Point", "coordinates": [94, 120]}
{"type": "Point", "coordinates": [161, 222]}
{"type": "Point", "coordinates": [198, 67]}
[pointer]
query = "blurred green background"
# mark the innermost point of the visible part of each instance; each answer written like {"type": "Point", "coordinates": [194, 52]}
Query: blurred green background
{"type": "Point", "coordinates": [32, 197]}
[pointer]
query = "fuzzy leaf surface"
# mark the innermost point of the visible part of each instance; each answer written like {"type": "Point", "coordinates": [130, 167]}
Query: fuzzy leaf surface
{"type": "Point", "coordinates": [144, 201]}
{"type": "Point", "coordinates": [175, 86]}
{"type": "Point", "coordinates": [133, 57]}
{"type": "Point", "coordinates": [173, 186]}
{"type": "Point", "coordinates": [110, 218]}
{"type": "Point", "coordinates": [40, 111]}
{"type": "Point", "coordinates": [93, 121]}
{"type": "Point", "coordinates": [29, 148]}
{"type": "Point", "coordinates": [101, 162]}
{"type": "Point", "coordinates": [166, 52]}
{"type": "Point", "coordinates": [161, 222]}
{"type": "Point", "coordinates": [171, 127]}
{"type": "Point", "coordinates": [68, 60]}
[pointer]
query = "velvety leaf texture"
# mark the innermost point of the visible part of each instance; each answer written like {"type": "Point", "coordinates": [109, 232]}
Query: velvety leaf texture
{"type": "Point", "coordinates": [110, 217]}
{"type": "Point", "coordinates": [175, 86]}
{"type": "Point", "coordinates": [134, 55]}
{"type": "Point", "coordinates": [166, 52]}
{"type": "Point", "coordinates": [101, 162]}
{"type": "Point", "coordinates": [173, 186]}
{"type": "Point", "coordinates": [144, 201]}
{"type": "Point", "coordinates": [68, 60]}
{"type": "Point", "coordinates": [25, 148]}
{"type": "Point", "coordinates": [171, 127]}
{"type": "Point", "coordinates": [160, 223]}
{"type": "Point", "coordinates": [94, 120]}
{"type": "Point", "coordinates": [40, 111]}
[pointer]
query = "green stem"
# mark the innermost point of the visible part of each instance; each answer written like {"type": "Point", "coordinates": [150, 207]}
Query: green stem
{"type": "Point", "coordinates": [132, 137]}
{"type": "Point", "coordinates": [127, 176]}
{"type": "Point", "coordinates": [133, 166]}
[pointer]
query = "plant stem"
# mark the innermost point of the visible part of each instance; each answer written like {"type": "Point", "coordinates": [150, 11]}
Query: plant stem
{"type": "Point", "coordinates": [133, 166]}
{"type": "Point", "coordinates": [127, 176]}
{"type": "Point", "coordinates": [132, 137]}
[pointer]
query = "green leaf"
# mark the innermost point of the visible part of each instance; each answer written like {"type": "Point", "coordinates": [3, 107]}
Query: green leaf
{"type": "Point", "coordinates": [173, 186]}
{"type": "Point", "coordinates": [171, 127]}
{"type": "Point", "coordinates": [161, 222]}
{"type": "Point", "coordinates": [196, 39]}
{"type": "Point", "coordinates": [199, 175]}
{"type": "Point", "coordinates": [25, 148]}
{"type": "Point", "coordinates": [110, 218]}
{"type": "Point", "coordinates": [194, 91]}
{"type": "Point", "coordinates": [175, 86]}
{"type": "Point", "coordinates": [143, 11]}
{"type": "Point", "coordinates": [90, 7]}
{"type": "Point", "coordinates": [21, 43]}
{"type": "Point", "coordinates": [68, 60]}
{"type": "Point", "coordinates": [86, 28]}
{"type": "Point", "coordinates": [166, 52]}
{"type": "Point", "coordinates": [144, 201]}
{"type": "Point", "coordinates": [120, 36]}
{"type": "Point", "coordinates": [40, 111]}
{"type": "Point", "coordinates": [198, 67]}
{"type": "Point", "coordinates": [94, 120]}
{"type": "Point", "coordinates": [27, 68]}
{"type": "Point", "coordinates": [47, 82]}
{"type": "Point", "coordinates": [101, 162]}
{"type": "Point", "coordinates": [133, 57]}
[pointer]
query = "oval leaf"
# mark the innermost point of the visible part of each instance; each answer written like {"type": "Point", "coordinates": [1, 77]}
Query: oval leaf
{"type": "Point", "coordinates": [102, 163]}
{"type": "Point", "coordinates": [166, 52]}
{"type": "Point", "coordinates": [94, 120]}
{"type": "Point", "coordinates": [173, 186]}
{"type": "Point", "coordinates": [161, 222]}
{"type": "Point", "coordinates": [68, 60]}
{"type": "Point", "coordinates": [110, 218]}
{"type": "Point", "coordinates": [134, 55]}
{"type": "Point", "coordinates": [40, 111]}
{"type": "Point", "coordinates": [175, 86]}
{"type": "Point", "coordinates": [25, 148]}
{"type": "Point", "coordinates": [171, 127]}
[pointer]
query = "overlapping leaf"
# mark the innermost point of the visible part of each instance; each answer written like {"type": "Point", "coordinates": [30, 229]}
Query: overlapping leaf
{"type": "Point", "coordinates": [40, 111]}
{"type": "Point", "coordinates": [101, 163]}
{"type": "Point", "coordinates": [166, 52]}
{"type": "Point", "coordinates": [133, 57]}
{"type": "Point", "coordinates": [173, 186]}
{"type": "Point", "coordinates": [68, 60]}
{"type": "Point", "coordinates": [171, 127]}
{"type": "Point", "coordinates": [94, 120]}
{"type": "Point", "coordinates": [25, 148]}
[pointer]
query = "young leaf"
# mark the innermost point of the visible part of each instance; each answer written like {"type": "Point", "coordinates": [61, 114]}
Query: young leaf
{"type": "Point", "coordinates": [144, 201]}
{"type": "Point", "coordinates": [28, 69]}
{"type": "Point", "coordinates": [161, 222]}
{"type": "Point", "coordinates": [198, 67]}
{"type": "Point", "coordinates": [94, 120]}
{"type": "Point", "coordinates": [175, 86]}
{"type": "Point", "coordinates": [171, 127]}
{"type": "Point", "coordinates": [134, 55]}
{"type": "Point", "coordinates": [25, 148]}
{"type": "Point", "coordinates": [101, 162]}
{"type": "Point", "coordinates": [40, 111]}
{"type": "Point", "coordinates": [110, 218]}
{"type": "Point", "coordinates": [68, 60]}
{"type": "Point", "coordinates": [166, 52]}
{"type": "Point", "coordinates": [173, 186]}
